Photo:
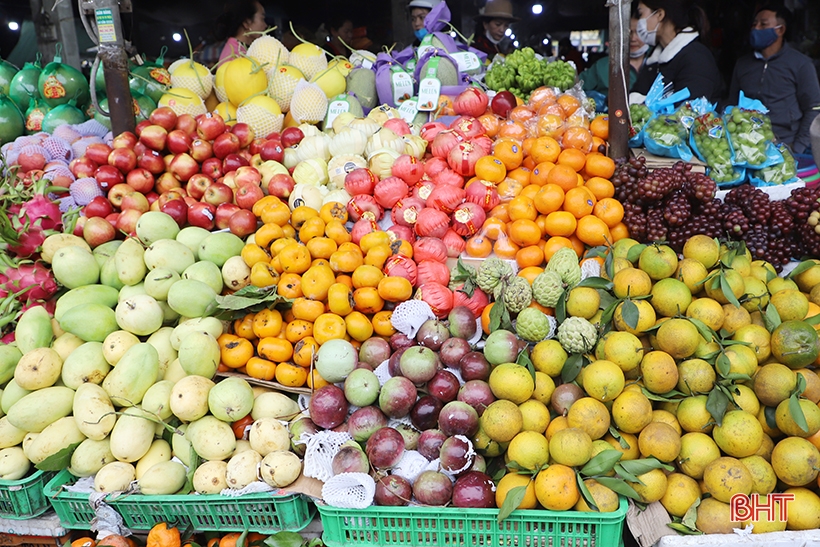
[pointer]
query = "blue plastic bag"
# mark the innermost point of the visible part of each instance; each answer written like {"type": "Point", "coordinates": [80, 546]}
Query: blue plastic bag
{"type": "Point", "coordinates": [781, 173]}
{"type": "Point", "coordinates": [667, 132]}
{"type": "Point", "coordinates": [751, 135]}
{"type": "Point", "coordinates": [710, 143]}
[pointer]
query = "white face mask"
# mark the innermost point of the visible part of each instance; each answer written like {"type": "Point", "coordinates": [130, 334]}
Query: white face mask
{"type": "Point", "coordinates": [647, 36]}
{"type": "Point", "coordinates": [640, 52]}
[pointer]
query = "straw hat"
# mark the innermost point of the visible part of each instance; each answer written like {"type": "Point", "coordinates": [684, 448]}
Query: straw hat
{"type": "Point", "coordinates": [497, 9]}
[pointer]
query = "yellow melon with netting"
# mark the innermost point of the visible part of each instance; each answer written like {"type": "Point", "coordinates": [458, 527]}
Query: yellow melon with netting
{"type": "Point", "coordinates": [282, 84]}
{"type": "Point", "coordinates": [193, 76]}
{"type": "Point", "coordinates": [227, 111]}
{"type": "Point", "coordinates": [309, 58]}
{"type": "Point", "coordinates": [244, 78]}
{"type": "Point", "coordinates": [183, 101]}
{"type": "Point", "coordinates": [262, 114]}
{"type": "Point", "coordinates": [269, 51]}
{"type": "Point", "coordinates": [219, 83]}
{"type": "Point", "coordinates": [308, 104]}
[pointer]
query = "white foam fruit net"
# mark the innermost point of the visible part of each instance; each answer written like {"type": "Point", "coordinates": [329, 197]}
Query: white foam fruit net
{"type": "Point", "coordinates": [91, 127]}
{"type": "Point", "coordinates": [321, 448]}
{"type": "Point", "coordinates": [382, 372]}
{"type": "Point", "coordinates": [590, 268]}
{"type": "Point", "coordinates": [411, 465]}
{"type": "Point", "coordinates": [409, 316]}
{"type": "Point", "coordinates": [349, 491]}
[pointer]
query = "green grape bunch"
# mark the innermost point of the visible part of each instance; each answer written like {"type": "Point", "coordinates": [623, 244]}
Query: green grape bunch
{"type": "Point", "coordinates": [640, 114]}
{"type": "Point", "coordinates": [667, 129]}
{"type": "Point", "coordinates": [750, 132]}
{"type": "Point", "coordinates": [782, 172]}
{"type": "Point", "coordinates": [709, 134]}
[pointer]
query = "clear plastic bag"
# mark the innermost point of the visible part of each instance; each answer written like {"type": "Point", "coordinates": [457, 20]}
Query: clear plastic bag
{"type": "Point", "coordinates": [710, 142]}
{"type": "Point", "coordinates": [751, 135]}
{"type": "Point", "coordinates": [782, 173]}
{"type": "Point", "coordinates": [667, 132]}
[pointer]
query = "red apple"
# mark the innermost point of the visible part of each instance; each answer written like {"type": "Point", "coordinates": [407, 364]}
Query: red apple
{"type": "Point", "coordinates": [154, 205]}
{"type": "Point", "coordinates": [281, 185]}
{"type": "Point", "coordinates": [140, 126]}
{"type": "Point", "coordinates": [177, 209]}
{"type": "Point", "coordinates": [189, 200]}
{"type": "Point", "coordinates": [245, 134]}
{"type": "Point", "coordinates": [117, 193]}
{"type": "Point", "coordinates": [164, 116]}
{"type": "Point", "coordinates": [247, 175]}
{"type": "Point", "coordinates": [201, 150]}
{"type": "Point", "coordinates": [79, 225]}
{"type": "Point", "coordinates": [224, 144]}
{"type": "Point", "coordinates": [135, 200]}
{"type": "Point", "coordinates": [209, 126]}
{"type": "Point", "coordinates": [98, 207]}
{"type": "Point", "coordinates": [98, 152]}
{"type": "Point", "coordinates": [275, 136]}
{"type": "Point", "coordinates": [178, 141]}
{"type": "Point", "coordinates": [202, 214]}
{"type": "Point", "coordinates": [107, 176]}
{"type": "Point", "coordinates": [224, 212]}
{"type": "Point", "coordinates": [242, 223]}
{"type": "Point", "coordinates": [217, 193]}
{"type": "Point", "coordinates": [291, 136]}
{"type": "Point", "coordinates": [112, 219]}
{"type": "Point", "coordinates": [212, 167]}
{"type": "Point", "coordinates": [183, 167]}
{"type": "Point", "coordinates": [197, 185]}
{"type": "Point", "coordinates": [273, 150]}
{"type": "Point", "coordinates": [246, 155]}
{"type": "Point", "coordinates": [502, 103]}
{"type": "Point", "coordinates": [83, 167]}
{"type": "Point", "coordinates": [247, 195]}
{"type": "Point", "coordinates": [151, 196]}
{"type": "Point", "coordinates": [97, 231]}
{"type": "Point", "coordinates": [123, 159]}
{"type": "Point", "coordinates": [229, 179]}
{"type": "Point", "coordinates": [187, 123]}
{"type": "Point", "coordinates": [152, 161]}
{"type": "Point", "coordinates": [165, 182]}
{"type": "Point", "coordinates": [127, 221]}
{"type": "Point", "coordinates": [140, 149]}
{"type": "Point", "coordinates": [154, 137]}
{"type": "Point", "coordinates": [126, 139]}
{"type": "Point", "coordinates": [256, 146]}
{"type": "Point", "coordinates": [232, 162]}
{"type": "Point", "coordinates": [140, 180]}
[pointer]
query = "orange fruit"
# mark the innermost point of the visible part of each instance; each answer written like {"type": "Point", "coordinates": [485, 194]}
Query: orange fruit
{"type": "Point", "coordinates": [609, 210]}
{"type": "Point", "coordinates": [305, 351]}
{"type": "Point", "coordinates": [530, 191]}
{"type": "Point", "coordinates": [521, 207]}
{"type": "Point", "coordinates": [619, 231]}
{"type": "Point", "coordinates": [291, 375]}
{"type": "Point", "coordinates": [577, 244]}
{"type": "Point", "coordinates": [490, 122]}
{"type": "Point", "coordinates": [555, 243]}
{"type": "Point", "coordinates": [381, 323]}
{"type": "Point", "coordinates": [561, 223]}
{"type": "Point", "coordinates": [545, 149]}
{"type": "Point", "coordinates": [521, 113]}
{"type": "Point", "coordinates": [549, 198]}
{"type": "Point", "coordinates": [600, 188]}
{"type": "Point", "coordinates": [573, 158]}
{"type": "Point", "coordinates": [505, 248]}
{"type": "Point", "coordinates": [579, 201]}
{"type": "Point", "coordinates": [599, 126]}
{"type": "Point", "coordinates": [485, 318]}
{"type": "Point", "coordinates": [509, 189]}
{"type": "Point", "coordinates": [367, 300]}
{"type": "Point", "coordinates": [500, 212]}
{"type": "Point", "coordinates": [445, 106]}
{"type": "Point", "coordinates": [599, 165]}
{"type": "Point", "coordinates": [539, 173]}
{"type": "Point", "coordinates": [509, 152]}
{"type": "Point", "coordinates": [524, 232]}
{"type": "Point", "coordinates": [511, 129]}
{"type": "Point", "coordinates": [564, 176]}
{"type": "Point", "coordinates": [493, 228]}
{"type": "Point", "coordinates": [490, 168]}
{"type": "Point", "coordinates": [528, 162]}
{"type": "Point", "coordinates": [550, 125]}
{"type": "Point", "coordinates": [520, 174]}
{"type": "Point", "coordinates": [568, 104]}
{"type": "Point", "coordinates": [542, 96]}
{"type": "Point", "coordinates": [578, 138]}
{"type": "Point", "coordinates": [479, 246]}
{"type": "Point", "coordinates": [531, 272]}
{"type": "Point", "coordinates": [593, 231]}
{"type": "Point", "coordinates": [529, 256]}
{"type": "Point", "coordinates": [315, 380]}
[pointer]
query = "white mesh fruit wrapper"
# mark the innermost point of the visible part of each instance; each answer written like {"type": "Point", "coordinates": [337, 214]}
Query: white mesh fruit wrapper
{"type": "Point", "coordinates": [396, 422]}
{"type": "Point", "coordinates": [349, 491]}
{"type": "Point", "coordinates": [36, 149]}
{"type": "Point", "coordinates": [409, 316]}
{"type": "Point", "coordinates": [308, 103]}
{"type": "Point", "coordinates": [457, 373]}
{"type": "Point", "coordinates": [410, 466]}
{"type": "Point", "coordinates": [91, 127]}
{"type": "Point", "coordinates": [80, 145]}
{"type": "Point", "coordinates": [253, 488]}
{"type": "Point", "coordinates": [66, 204]}
{"type": "Point", "coordinates": [29, 140]}
{"type": "Point", "coordinates": [382, 372]}
{"type": "Point", "coordinates": [67, 133]}
{"type": "Point", "coordinates": [590, 268]}
{"type": "Point", "coordinates": [478, 332]}
{"type": "Point", "coordinates": [321, 448]}
{"type": "Point", "coordinates": [58, 148]}
{"type": "Point", "coordinates": [469, 457]}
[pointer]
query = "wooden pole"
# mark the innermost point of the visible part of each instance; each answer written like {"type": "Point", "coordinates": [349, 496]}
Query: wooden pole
{"type": "Point", "coordinates": [619, 11]}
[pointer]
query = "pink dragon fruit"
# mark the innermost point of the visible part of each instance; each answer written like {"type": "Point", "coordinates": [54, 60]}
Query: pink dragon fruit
{"type": "Point", "coordinates": [34, 278]}
{"type": "Point", "coordinates": [8, 338]}
{"type": "Point", "coordinates": [31, 216]}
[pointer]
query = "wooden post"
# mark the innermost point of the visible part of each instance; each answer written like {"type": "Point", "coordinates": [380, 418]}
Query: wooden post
{"type": "Point", "coordinates": [55, 24]}
{"type": "Point", "coordinates": [619, 11]}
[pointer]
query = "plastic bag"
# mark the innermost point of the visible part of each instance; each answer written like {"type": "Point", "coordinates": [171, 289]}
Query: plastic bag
{"type": "Point", "coordinates": [639, 114]}
{"type": "Point", "coordinates": [667, 132]}
{"type": "Point", "coordinates": [751, 135]}
{"type": "Point", "coordinates": [710, 142]}
{"type": "Point", "coordinates": [781, 173]}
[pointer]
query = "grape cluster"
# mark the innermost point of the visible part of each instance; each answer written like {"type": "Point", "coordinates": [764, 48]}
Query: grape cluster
{"type": "Point", "coordinates": [750, 132]}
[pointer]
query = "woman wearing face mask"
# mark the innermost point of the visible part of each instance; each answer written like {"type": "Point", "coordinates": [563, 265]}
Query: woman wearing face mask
{"type": "Point", "coordinates": [596, 77]}
{"type": "Point", "coordinates": [779, 76]}
{"type": "Point", "coordinates": [418, 10]}
{"type": "Point", "coordinates": [492, 25]}
{"type": "Point", "coordinates": [674, 28]}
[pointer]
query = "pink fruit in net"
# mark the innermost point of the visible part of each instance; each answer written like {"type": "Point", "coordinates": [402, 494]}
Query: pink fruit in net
{"type": "Point", "coordinates": [477, 302]}
{"type": "Point", "coordinates": [429, 248]}
{"type": "Point", "coordinates": [471, 102]}
{"type": "Point", "coordinates": [437, 296]}
{"type": "Point", "coordinates": [406, 211]}
{"type": "Point", "coordinates": [455, 243]}
{"type": "Point", "coordinates": [485, 143]}
{"type": "Point", "coordinates": [431, 223]}
{"type": "Point", "coordinates": [444, 143]}
{"type": "Point", "coordinates": [430, 130]}
{"type": "Point", "coordinates": [433, 165]}
{"type": "Point", "coordinates": [468, 218]}
{"type": "Point", "coordinates": [408, 169]}
{"type": "Point", "coordinates": [362, 227]}
{"type": "Point", "coordinates": [399, 232]}
{"type": "Point", "coordinates": [389, 191]}
{"type": "Point", "coordinates": [468, 127]}
{"type": "Point", "coordinates": [483, 193]}
{"type": "Point", "coordinates": [364, 203]}
{"type": "Point", "coordinates": [401, 266]}
{"type": "Point", "coordinates": [463, 157]}
{"type": "Point", "coordinates": [360, 181]}
{"type": "Point", "coordinates": [433, 271]}
{"type": "Point", "coordinates": [422, 189]}
{"type": "Point", "coordinates": [445, 197]}
{"type": "Point", "coordinates": [448, 177]}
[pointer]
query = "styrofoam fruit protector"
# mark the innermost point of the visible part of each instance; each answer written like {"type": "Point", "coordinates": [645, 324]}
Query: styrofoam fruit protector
{"type": "Point", "coordinates": [321, 448]}
{"type": "Point", "coordinates": [590, 268]}
{"type": "Point", "coordinates": [410, 315]}
{"type": "Point", "coordinates": [349, 491]}
{"type": "Point", "coordinates": [410, 466]}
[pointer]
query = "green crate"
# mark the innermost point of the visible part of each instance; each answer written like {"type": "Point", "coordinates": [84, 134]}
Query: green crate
{"type": "Point", "coordinates": [264, 512]}
{"type": "Point", "coordinates": [24, 498]}
{"type": "Point", "coordinates": [457, 527]}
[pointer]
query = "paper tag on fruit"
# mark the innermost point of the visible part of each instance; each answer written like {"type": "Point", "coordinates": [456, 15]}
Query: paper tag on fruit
{"type": "Point", "coordinates": [467, 61]}
{"type": "Point", "coordinates": [716, 132]}
{"type": "Point", "coordinates": [402, 85]}
{"type": "Point", "coordinates": [337, 106]}
{"type": "Point", "coordinates": [408, 109]}
{"type": "Point", "coordinates": [429, 92]}
{"type": "Point", "coordinates": [687, 121]}
{"type": "Point", "coordinates": [425, 45]}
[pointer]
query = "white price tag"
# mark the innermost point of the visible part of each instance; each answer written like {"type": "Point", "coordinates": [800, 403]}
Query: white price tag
{"type": "Point", "coordinates": [408, 110]}
{"type": "Point", "coordinates": [467, 61]}
{"type": "Point", "coordinates": [429, 92]}
{"type": "Point", "coordinates": [402, 86]}
{"type": "Point", "coordinates": [336, 107]}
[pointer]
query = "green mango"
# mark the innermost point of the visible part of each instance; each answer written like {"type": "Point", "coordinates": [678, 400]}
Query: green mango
{"type": "Point", "coordinates": [9, 356]}
{"type": "Point", "coordinates": [136, 371]}
{"type": "Point", "coordinates": [91, 322]}
{"type": "Point", "coordinates": [191, 298]}
{"type": "Point", "coordinates": [219, 247]}
{"type": "Point", "coordinates": [41, 408]}
{"type": "Point", "coordinates": [34, 330]}
{"type": "Point", "coordinates": [87, 294]}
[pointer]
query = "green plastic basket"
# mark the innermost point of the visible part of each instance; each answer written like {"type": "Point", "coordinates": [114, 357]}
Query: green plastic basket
{"type": "Point", "coordinates": [264, 513]}
{"type": "Point", "coordinates": [457, 527]}
{"type": "Point", "coordinates": [24, 498]}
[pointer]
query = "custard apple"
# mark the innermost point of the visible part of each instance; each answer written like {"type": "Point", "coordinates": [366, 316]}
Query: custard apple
{"type": "Point", "coordinates": [547, 289]}
{"type": "Point", "coordinates": [491, 272]}
{"type": "Point", "coordinates": [532, 325]}
{"type": "Point", "coordinates": [517, 294]}
{"type": "Point", "coordinates": [577, 335]}
{"type": "Point", "coordinates": [565, 263]}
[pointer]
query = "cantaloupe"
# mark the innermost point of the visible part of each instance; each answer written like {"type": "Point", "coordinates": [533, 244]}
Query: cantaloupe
{"type": "Point", "coordinates": [362, 83]}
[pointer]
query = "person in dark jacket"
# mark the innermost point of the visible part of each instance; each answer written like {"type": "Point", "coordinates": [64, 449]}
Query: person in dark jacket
{"type": "Point", "coordinates": [596, 77]}
{"type": "Point", "coordinates": [782, 78]}
{"type": "Point", "coordinates": [674, 27]}
{"type": "Point", "coordinates": [492, 23]}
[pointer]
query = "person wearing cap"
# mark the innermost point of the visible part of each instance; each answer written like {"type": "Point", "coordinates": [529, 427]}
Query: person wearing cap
{"type": "Point", "coordinates": [418, 10]}
{"type": "Point", "coordinates": [491, 29]}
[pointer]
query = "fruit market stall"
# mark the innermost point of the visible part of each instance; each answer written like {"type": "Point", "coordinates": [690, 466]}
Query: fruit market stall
{"type": "Point", "coordinates": [432, 314]}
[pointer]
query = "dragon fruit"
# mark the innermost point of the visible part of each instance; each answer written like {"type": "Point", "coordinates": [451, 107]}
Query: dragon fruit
{"type": "Point", "coordinates": [30, 216]}
{"type": "Point", "coordinates": [34, 278]}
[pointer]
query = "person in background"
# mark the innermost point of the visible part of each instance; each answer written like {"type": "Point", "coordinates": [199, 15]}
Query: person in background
{"type": "Point", "coordinates": [781, 77]}
{"type": "Point", "coordinates": [493, 21]}
{"type": "Point", "coordinates": [596, 77]}
{"type": "Point", "coordinates": [418, 10]}
{"type": "Point", "coordinates": [340, 28]}
{"type": "Point", "coordinates": [240, 25]}
{"type": "Point", "coordinates": [675, 28]}
{"type": "Point", "coordinates": [568, 52]}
